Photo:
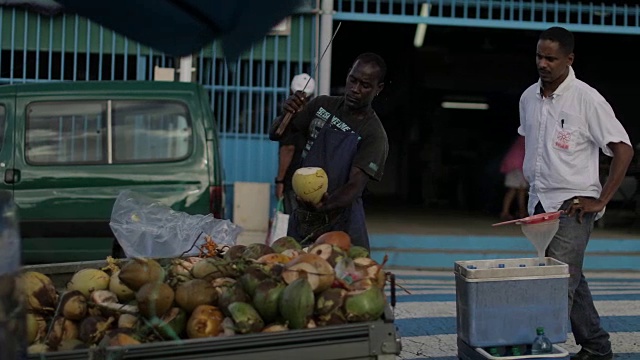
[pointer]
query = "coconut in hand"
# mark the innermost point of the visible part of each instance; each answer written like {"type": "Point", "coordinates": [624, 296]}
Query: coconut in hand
{"type": "Point", "coordinates": [12, 311]}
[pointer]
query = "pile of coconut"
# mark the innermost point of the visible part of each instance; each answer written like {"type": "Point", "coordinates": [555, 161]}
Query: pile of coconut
{"type": "Point", "coordinates": [241, 290]}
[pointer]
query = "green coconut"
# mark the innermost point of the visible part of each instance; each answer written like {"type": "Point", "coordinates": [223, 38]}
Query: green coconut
{"type": "Point", "coordinates": [364, 305]}
{"type": "Point", "coordinates": [213, 268]}
{"type": "Point", "coordinates": [234, 252]}
{"type": "Point", "coordinates": [245, 317]}
{"type": "Point", "coordinates": [228, 293]}
{"type": "Point", "coordinates": [358, 252]}
{"type": "Point", "coordinates": [329, 300]}
{"type": "Point", "coordinates": [172, 324]}
{"type": "Point", "coordinates": [266, 299]}
{"type": "Point", "coordinates": [256, 250]}
{"type": "Point", "coordinates": [252, 276]}
{"type": "Point", "coordinates": [297, 303]}
{"type": "Point", "coordinates": [336, 317]}
{"type": "Point", "coordinates": [286, 243]}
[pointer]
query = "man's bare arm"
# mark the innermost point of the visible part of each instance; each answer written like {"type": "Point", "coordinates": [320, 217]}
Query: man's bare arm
{"type": "Point", "coordinates": [345, 195]}
{"type": "Point", "coordinates": [622, 155]}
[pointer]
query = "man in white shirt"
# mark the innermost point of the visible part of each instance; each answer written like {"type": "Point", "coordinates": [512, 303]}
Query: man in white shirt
{"type": "Point", "coordinates": [566, 123]}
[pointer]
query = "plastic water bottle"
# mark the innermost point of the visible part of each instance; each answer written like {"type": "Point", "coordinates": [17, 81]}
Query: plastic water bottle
{"type": "Point", "coordinates": [541, 344]}
{"type": "Point", "coordinates": [13, 332]}
{"type": "Point", "coordinates": [494, 352]}
{"type": "Point", "coordinates": [515, 351]}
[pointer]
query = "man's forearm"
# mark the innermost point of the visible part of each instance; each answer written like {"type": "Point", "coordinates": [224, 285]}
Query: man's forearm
{"type": "Point", "coordinates": [348, 193]}
{"type": "Point", "coordinates": [272, 132]}
{"type": "Point", "coordinates": [622, 155]}
{"type": "Point", "coordinates": [286, 156]}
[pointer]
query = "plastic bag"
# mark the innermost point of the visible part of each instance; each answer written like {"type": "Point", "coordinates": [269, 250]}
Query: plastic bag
{"type": "Point", "coordinates": [148, 228]}
{"type": "Point", "coordinates": [279, 224]}
{"type": "Point", "coordinates": [346, 270]}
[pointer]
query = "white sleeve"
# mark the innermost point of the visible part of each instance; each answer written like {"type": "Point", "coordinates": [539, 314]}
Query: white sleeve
{"type": "Point", "coordinates": [604, 127]}
{"type": "Point", "coordinates": [522, 120]}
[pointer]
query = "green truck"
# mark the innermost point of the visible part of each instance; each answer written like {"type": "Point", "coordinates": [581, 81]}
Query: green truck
{"type": "Point", "coordinates": [67, 149]}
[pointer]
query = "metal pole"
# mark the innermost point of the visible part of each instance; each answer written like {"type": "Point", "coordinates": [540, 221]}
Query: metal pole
{"type": "Point", "coordinates": [326, 31]}
{"type": "Point", "coordinates": [186, 68]}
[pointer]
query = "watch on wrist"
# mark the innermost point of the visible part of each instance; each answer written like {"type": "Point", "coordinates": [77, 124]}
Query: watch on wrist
{"type": "Point", "coordinates": [279, 181]}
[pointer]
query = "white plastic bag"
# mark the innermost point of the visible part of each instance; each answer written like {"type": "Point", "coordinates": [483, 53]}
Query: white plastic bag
{"type": "Point", "coordinates": [148, 228]}
{"type": "Point", "coordinates": [279, 224]}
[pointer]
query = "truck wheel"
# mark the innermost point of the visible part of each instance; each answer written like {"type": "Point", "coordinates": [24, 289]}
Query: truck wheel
{"type": "Point", "coordinates": [117, 251]}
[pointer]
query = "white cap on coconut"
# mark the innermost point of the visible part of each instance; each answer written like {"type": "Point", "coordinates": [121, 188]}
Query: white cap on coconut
{"type": "Point", "coordinates": [299, 81]}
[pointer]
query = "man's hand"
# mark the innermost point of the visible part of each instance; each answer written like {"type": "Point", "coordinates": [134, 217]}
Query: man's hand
{"type": "Point", "coordinates": [583, 205]}
{"type": "Point", "coordinates": [279, 191]}
{"type": "Point", "coordinates": [311, 206]}
{"type": "Point", "coordinates": [295, 103]}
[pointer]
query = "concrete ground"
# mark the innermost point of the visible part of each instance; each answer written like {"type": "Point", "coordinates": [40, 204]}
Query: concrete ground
{"type": "Point", "coordinates": [426, 318]}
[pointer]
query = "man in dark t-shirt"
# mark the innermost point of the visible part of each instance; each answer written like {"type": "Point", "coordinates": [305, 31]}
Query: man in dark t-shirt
{"type": "Point", "coordinates": [290, 149]}
{"type": "Point", "coordinates": [345, 137]}
{"type": "Point", "coordinates": [373, 147]}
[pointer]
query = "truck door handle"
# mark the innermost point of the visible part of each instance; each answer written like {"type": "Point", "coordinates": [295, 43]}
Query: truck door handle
{"type": "Point", "coordinates": [11, 176]}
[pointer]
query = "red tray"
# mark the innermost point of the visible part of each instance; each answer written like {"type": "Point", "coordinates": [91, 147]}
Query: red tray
{"type": "Point", "coordinates": [535, 219]}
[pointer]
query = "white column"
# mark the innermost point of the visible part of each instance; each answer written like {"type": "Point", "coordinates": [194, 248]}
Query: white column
{"type": "Point", "coordinates": [186, 67]}
{"type": "Point", "coordinates": [323, 77]}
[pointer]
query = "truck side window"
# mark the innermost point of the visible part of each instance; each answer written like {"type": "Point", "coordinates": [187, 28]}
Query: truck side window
{"type": "Point", "coordinates": [66, 133]}
{"type": "Point", "coordinates": [150, 131]}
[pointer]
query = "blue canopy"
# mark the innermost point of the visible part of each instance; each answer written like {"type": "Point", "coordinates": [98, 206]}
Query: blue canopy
{"type": "Point", "coordinates": [178, 27]}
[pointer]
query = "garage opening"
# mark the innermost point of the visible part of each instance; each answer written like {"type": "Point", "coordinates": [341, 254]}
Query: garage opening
{"type": "Point", "coordinates": [450, 105]}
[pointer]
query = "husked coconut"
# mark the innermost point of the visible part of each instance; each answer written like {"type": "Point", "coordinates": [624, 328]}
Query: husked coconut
{"type": "Point", "coordinates": [314, 268]}
{"type": "Point", "coordinates": [310, 183]}
{"type": "Point", "coordinates": [36, 328]}
{"type": "Point", "coordinates": [154, 299]}
{"type": "Point", "coordinates": [193, 293]}
{"type": "Point", "coordinates": [205, 321]}
{"type": "Point", "coordinates": [61, 329]}
{"type": "Point", "coordinates": [122, 291]}
{"type": "Point", "coordinates": [338, 238]}
{"type": "Point", "coordinates": [88, 280]}
{"type": "Point", "coordinates": [74, 305]}
{"type": "Point", "coordinates": [139, 271]}
{"type": "Point", "coordinates": [40, 292]}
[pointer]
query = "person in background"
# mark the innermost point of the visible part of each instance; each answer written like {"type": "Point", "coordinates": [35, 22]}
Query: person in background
{"type": "Point", "coordinates": [566, 123]}
{"type": "Point", "coordinates": [345, 137]}
{"type": "Point", "coordinates": [514, 181]}
{"type": "Point", "coordinates": [291, 148]}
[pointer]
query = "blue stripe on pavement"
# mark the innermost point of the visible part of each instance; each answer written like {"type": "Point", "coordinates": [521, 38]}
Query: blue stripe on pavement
{"type": "Point", "coordinates": [482, 243]}
{"type": "Point", "coordinates": [441, 260]}
{"type": "Point", "coordinates": [402, 297]}
{"type": "Point", "coordinates": [594, 280]}
{"type": "Point", "coordinates": [618, 355]}
{"type": "Point", "coordinates": [447, 325]}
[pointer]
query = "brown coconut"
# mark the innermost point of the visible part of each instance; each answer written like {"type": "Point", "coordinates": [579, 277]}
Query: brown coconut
{"type": "Point", "coordinates": [154, 299]}
{"type": "Point", "coordinates": [139, 271]}
{"type": "Point", "coordinates": [194, 293]}
{"type": "Point", "coordinates": [338, 238]}
{"type": "Point", "coordinates": [205, 321]}
{"type": "Point", "coordinates": [314, 268]}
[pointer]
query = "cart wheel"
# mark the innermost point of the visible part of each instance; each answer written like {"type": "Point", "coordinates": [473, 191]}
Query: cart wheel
{"type": "Point", "coordinates": [117, 251]}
